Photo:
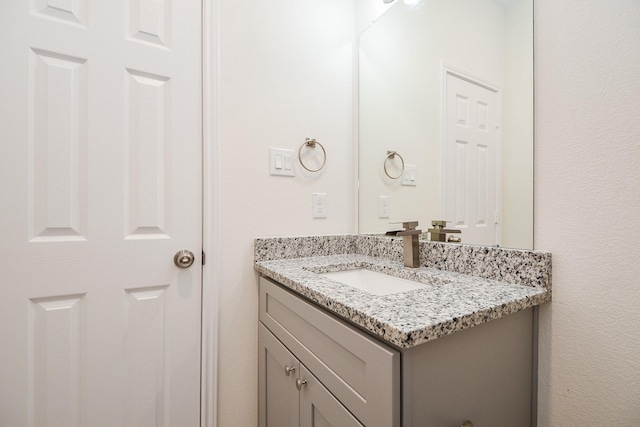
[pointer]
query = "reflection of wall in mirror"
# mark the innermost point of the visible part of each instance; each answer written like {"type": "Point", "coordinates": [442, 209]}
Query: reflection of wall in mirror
{"type": "Point", "coordinates": [400, 99]}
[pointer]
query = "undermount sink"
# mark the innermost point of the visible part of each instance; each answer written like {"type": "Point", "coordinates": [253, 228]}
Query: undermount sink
{"type": "Point", "coordinates": [373, 282]}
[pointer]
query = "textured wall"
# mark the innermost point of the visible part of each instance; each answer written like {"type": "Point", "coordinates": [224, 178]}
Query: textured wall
{"type": "Point", "coordinates": [587, 206]}
{"type": "Point", "coordinates": [587, 186]}
{"type": "Point", "coordinates": [285, 74]}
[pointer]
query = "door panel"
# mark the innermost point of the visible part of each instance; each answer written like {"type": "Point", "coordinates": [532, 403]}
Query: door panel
{"type": "Point", "coordinates": [54, 354]}
{"type": "Point", "coordinates": [100, 179]}
{"type": "Point", "coordinates": [145, 356]}
{"type": "Point", "coordinates": [58, 146]}
{"type": "Point", "coordinates": [471, 150]}
{"type": "Point", "coordinates": [146, 110]}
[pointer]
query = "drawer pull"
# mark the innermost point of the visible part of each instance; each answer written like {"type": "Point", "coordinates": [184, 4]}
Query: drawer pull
{"type": "Point", "coordinates": [300, 383]}
{"type": "Point", "coordinates": [289, 369]}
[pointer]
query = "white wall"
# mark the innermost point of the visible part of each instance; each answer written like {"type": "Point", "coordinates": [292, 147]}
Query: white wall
{"type": "Point", "coordinates": [587, 206]}
{"type": "Point", "coordinates": [279, 85]}
{"type": "Point", "coordinates": [285, 74]}
{"type": "Point", "coordinates": [367, 11]}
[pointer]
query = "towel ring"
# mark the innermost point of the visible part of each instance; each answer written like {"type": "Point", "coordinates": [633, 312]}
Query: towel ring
{"type": "Point", "coordinates": [311, 143]}
{"type": "Point", "coordinates": [391, 155]}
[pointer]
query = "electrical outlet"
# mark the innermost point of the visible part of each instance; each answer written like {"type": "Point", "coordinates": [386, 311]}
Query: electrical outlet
{"type": "Point", "coordinates": [384, 206]}
{"type": "Point", "coordinates": [319, 209]}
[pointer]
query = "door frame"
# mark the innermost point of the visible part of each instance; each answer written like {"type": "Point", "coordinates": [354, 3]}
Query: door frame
{"type": "Point", "coordinates": [210, 225]}
{"type": "Point", "coordinates": [446, 70]}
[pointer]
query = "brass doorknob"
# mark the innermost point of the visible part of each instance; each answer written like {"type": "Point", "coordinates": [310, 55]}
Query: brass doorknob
{"type": "Point", "coordinates": [183, 259]}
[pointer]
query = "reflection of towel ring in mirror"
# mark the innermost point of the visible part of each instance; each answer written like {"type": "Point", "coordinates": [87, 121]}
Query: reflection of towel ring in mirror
{"type": "Point", "coordinates": [311, 143]}
{"type": "Point", "coordinates": [391, 155]}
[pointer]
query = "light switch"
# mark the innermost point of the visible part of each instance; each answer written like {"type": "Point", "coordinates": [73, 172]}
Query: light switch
{"type": "Point", "coordinates": [409, 175]}
{"type": "Point", "coordinates": [288, 163]}
{"type": "Point", "coordinates": [281, 162]}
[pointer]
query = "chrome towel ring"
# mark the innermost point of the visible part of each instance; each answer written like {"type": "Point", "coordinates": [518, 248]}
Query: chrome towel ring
{"type": "Point", "coordinates": [390, 156]}
{"type": "Point", "coordinates": [311, 143]}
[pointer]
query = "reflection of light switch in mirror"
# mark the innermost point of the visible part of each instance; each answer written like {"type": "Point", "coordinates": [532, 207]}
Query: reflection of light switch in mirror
{"type": "Point", "coordinates": [384, 205]}
{"type": "Point", "coordinates": [409, 175]}
{"type": "Point", "coordinates": [281, 162]}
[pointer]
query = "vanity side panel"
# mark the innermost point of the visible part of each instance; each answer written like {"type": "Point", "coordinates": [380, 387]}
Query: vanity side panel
{"type": "Point", "coordinates": [363, 373]}
{"type": "Point", "coordinates": [483, 374]}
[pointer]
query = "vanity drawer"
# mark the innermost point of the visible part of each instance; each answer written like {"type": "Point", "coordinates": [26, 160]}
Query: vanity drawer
{"type": "Point", "coordinates": [362, 372]}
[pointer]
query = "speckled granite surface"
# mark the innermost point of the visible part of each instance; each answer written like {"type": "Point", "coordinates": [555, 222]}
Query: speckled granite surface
{"type": "Point", "coordinates": [266, 249]}
{"type": "Point", "coordinates": [463, 291]}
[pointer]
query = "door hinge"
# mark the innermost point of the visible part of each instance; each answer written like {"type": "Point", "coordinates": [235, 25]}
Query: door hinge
{"type": "Point", "coordinates": [498, 121]}
{"type": "Point", "coordinates": [497, 218]}
{"type": "Point", "coordinates": [204, 258]}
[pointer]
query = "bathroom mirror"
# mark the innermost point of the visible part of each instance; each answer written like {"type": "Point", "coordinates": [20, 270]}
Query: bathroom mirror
{"type": "Point", "coordinates": [448, 86]}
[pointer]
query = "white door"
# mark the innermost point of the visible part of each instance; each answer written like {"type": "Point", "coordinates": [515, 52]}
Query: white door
{"type": "Point", "coordinates": [100, 185]}
{"type": "Point", "coordinates": [470, 167]}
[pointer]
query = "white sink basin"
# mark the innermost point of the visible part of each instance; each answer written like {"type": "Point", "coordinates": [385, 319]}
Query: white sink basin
{"type": "Point", "coordinates": [373, 282]}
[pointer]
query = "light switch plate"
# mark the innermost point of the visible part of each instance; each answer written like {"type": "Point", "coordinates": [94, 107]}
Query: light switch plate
{"type": "Point", "coordinates": [281, 162]}
{"type": "Point", "coordinates": [409, 175]}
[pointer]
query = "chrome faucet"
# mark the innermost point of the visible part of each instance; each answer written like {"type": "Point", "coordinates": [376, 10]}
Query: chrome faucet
{"type": "Point", "coordinates": [439, 233]}
{"type": "Point", "coordinates": [410, 247]}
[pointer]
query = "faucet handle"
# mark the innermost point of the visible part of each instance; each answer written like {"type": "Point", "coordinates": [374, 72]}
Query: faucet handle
{"type": "Point", "coordinates": [439, 223]}
{"type": "Point", "coordinates": [410, 225]}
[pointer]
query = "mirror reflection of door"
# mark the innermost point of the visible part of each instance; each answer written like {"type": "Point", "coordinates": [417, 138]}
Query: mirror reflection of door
{"type": "Point", "coordinates": [471, 175]}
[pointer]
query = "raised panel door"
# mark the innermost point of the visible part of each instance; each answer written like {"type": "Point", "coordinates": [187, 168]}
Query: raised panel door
{"type": "Point", "coordinates": [471, 168]}
{"type": "Point", "coordinates": [100, 179]}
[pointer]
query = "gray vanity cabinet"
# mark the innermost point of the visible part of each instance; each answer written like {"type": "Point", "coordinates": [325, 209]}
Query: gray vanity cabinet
{"type": "Point", "coordinates": [483, 374]}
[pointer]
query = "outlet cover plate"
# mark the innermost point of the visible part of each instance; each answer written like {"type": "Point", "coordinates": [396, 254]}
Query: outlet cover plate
{"type": "Point", "coordinates": [319, 209]}
{"type": "Point", "coordinates": [384, 205]}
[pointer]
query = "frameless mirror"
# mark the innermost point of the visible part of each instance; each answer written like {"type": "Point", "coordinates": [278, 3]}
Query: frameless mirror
{"type": "Point", "coordinates": [446, 86]}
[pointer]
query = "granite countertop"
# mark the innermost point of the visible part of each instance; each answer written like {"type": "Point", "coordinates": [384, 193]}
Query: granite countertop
{"type": "Point", "coordinates": [450, 302]}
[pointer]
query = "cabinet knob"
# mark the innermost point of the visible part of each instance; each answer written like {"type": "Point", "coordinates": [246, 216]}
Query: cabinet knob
{"type": "Point", "coordinates": [300, 383]}
{"type": "Point", "coordinates": [289, 369]}
{"type": "Point", "coordinates": [466, 424]}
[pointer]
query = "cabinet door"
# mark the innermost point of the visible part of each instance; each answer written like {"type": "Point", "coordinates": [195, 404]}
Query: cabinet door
{"type": "Point", "coordinates": [318, 407]}
{"type": "Point", "coordinates": [278, 369]}
{"type": "Point", "coordinates": [361, 372]}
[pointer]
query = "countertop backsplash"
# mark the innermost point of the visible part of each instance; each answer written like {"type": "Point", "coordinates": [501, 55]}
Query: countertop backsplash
{"type": "Point", "coordinates": [524, 267]}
